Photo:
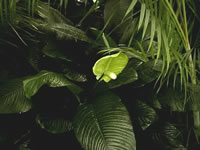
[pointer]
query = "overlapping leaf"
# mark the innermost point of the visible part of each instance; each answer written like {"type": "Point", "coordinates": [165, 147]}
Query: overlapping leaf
{"type": "Point", "coordinates": [146, 115]}
{"type": "Point", "coordinates": [127, 76]}
{"type": "Point", "coordinates": [54, 125]}
{"type": "Point", "coordinates": [149, 71]}
{"type": "Point", "coordinates": [167, 136]}
{"type": "Point", "coordinates": [104, 124]}
{"type": "Point", "coordinates": [32, 84]}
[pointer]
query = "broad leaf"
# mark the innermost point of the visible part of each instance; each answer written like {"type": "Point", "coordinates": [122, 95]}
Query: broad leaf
{"type": "Point", "coordinates": [76, 76]}
{"type": "Point", "coordinates": [174, 99]}
{"type": "Point", "coordinates": [54, 125]}
{"type": "Point", "coordinates": [127, 76]}
{"type": "Point", "coordinates": [12, 97]}
{"type": "Point", "coordinates": [51, 15]}
{"type": "Point", "coordinates": [32, 84]}
{"type": "Point", "coordinates": [171, 98]}
{"type": "Point", "coordinates": [146, 115]}
{"type": "Point", "coordinates": [115, 10]}
{"type": "Point", "coordinates": [58, 25]}
{"type": "Point", "coordinates": [104, 124]}
{"type": "Point", "coordinates": [167, 136]}
{"type": "Point", "coordinates": [65, 32]}
{"type": "Point", "coordinates": [108, 67]}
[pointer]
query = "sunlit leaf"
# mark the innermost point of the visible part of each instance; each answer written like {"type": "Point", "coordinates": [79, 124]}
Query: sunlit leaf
{"type": "Point", "coordinates": [104, 124]}
{"type": "Point", "coordinates": [108, 67]}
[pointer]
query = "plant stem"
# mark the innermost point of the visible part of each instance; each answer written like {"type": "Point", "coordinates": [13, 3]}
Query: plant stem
{"type": "Point", "coordinates": [196, 114]}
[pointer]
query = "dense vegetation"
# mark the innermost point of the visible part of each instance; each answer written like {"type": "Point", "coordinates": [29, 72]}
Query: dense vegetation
{"type": "Point", "coordinates": [99, 75]}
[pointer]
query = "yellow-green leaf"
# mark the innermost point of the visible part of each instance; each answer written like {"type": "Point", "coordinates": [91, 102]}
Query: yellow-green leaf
{"type": "Point", "coordinates": [108, 67]}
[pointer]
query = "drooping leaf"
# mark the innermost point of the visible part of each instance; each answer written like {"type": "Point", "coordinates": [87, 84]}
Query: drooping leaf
{"type": "Point", "coordinates": [146, 115]}
{"type": "Point", "coordinates": [171, 99]}
{"type": "Point", "coordinates": [104, 124]}
{"type": "Point", "coordinates": [12, 97]}
{"type": "Point", "coordinates": [108, 67]}
{"type": "Point", "coordinates": [127, 76]}
{"type": "Point", "coordinates": [32, 84]}
{"type": "Point", "coordinates": [54, 125]}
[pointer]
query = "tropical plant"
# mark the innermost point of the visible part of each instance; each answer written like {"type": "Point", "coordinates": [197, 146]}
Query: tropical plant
{"type": "Point", "coordinates": [99, 74]}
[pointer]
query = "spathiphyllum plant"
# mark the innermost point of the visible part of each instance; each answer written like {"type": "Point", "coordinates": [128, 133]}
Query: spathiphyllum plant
{"type": "Point", "coordinates": [99, 74]}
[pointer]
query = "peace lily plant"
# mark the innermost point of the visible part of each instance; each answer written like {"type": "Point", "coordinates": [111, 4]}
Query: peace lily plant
{"type": "Point", "coordinates": [101, 74]}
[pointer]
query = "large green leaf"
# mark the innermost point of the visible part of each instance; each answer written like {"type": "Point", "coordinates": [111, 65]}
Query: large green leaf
{"type": "Point", "coordinates": [32, 84]}
{"type": "Point", "coordinates": [146, 115]}
{"type": "Point", "coordinates": [54, 125]}
{"type": "Point", "coordinates": [174, 99]}
{"type": "Point", "coordinates": [65, 32]}
{"type": "Point", "coordinates": [104, 124]}
{"type": "Point", "coordinates": [58, 25]}
{"type": "Point", "coordinates": [115, 11]}
{"type": "Point", "coordinates": [12, 97]}
{"type": "Point", "coordinates": [108, 67]}
{"type": "Point", "coordinates": [171, 98]}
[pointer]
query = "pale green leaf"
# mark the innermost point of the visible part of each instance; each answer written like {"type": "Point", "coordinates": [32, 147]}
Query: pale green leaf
{"type": "Point", "coordinates": [108, 67]}
{"type": "Point", "coordinates": [104, 124]}
{"type": "Point", "coordinates": [33, 84]}
{"type": "Point", "coordinates": [153, 30]}
{"type": "Point", "coordinates": [142, 14]}
{"type": "Point", "coordinates": [146, 22]}
{"type": "Point", "coordinates": [130, 8]}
